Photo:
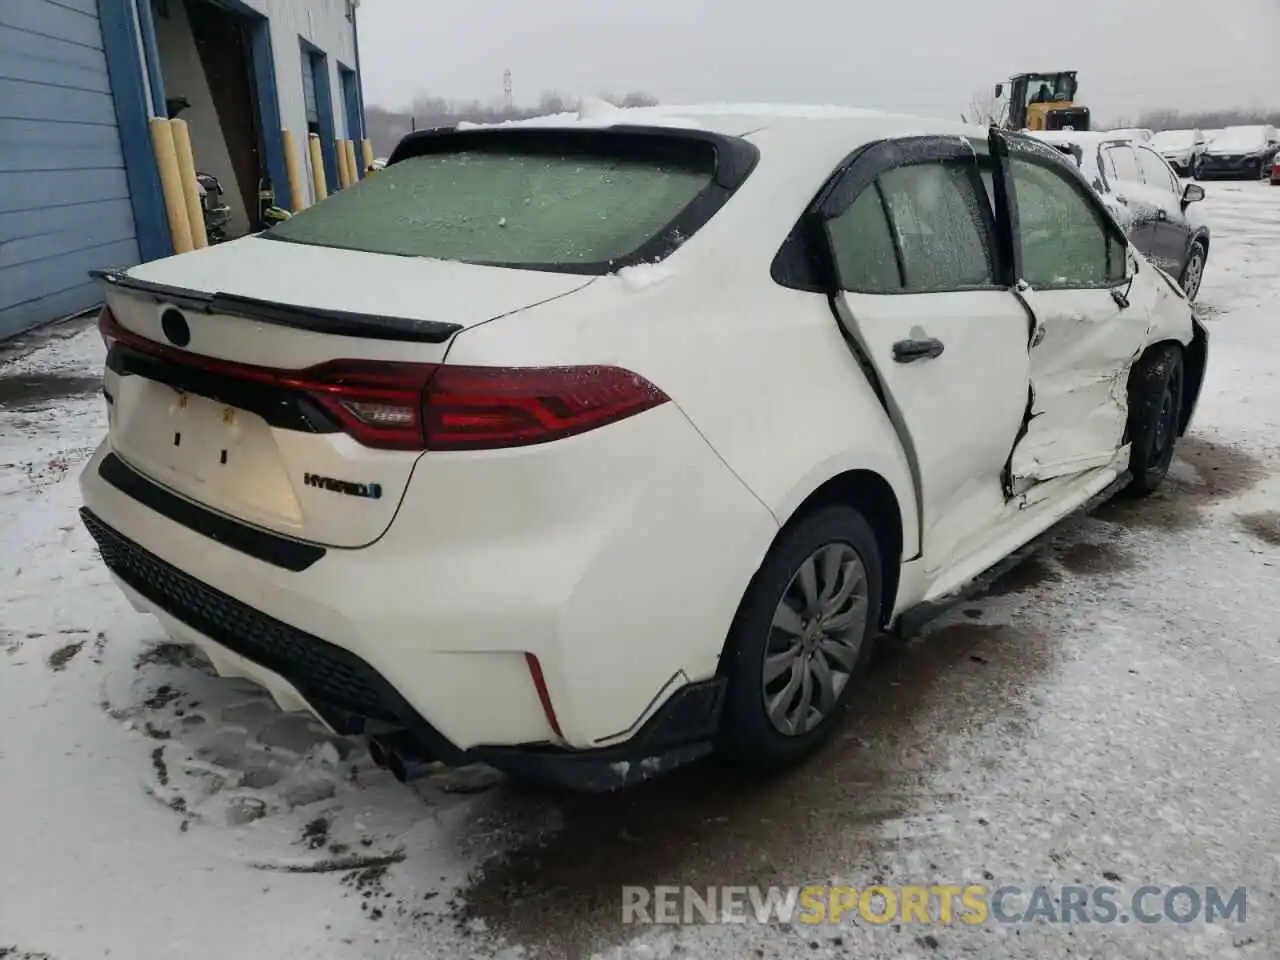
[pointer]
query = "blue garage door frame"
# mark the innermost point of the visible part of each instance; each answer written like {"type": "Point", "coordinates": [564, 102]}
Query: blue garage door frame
{"type": "Point", "coordinates": [318, 96]}
{"type": "Point", "coordinates": [65, 196]}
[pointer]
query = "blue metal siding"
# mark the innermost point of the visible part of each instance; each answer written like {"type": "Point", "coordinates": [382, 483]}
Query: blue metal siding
{"type": "Point", "coordinates": [65, 203]}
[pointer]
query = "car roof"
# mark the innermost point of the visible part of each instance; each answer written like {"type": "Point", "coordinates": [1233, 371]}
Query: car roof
{"type": "Point", "coordinates": [830, 129]}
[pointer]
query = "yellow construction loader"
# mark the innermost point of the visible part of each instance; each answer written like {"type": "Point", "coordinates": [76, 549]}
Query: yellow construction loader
{"type": "Point", "coordinates": [1042, 101]}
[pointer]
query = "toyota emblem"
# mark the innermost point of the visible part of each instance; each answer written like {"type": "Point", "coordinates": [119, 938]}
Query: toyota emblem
{"type": "Point", "coordinates": [175, 327]}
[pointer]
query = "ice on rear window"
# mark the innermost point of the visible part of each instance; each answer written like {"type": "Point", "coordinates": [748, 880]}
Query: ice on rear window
{"type": "Point", "coordinates": [504, 208]}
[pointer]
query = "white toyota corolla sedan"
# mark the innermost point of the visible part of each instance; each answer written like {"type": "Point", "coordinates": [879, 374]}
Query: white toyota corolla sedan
{"type": "Point", "coordinates": [587, 448]}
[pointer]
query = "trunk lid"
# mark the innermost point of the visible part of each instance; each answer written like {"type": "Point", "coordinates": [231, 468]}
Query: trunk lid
{"type": "Point", "coordinates": [198, 407]}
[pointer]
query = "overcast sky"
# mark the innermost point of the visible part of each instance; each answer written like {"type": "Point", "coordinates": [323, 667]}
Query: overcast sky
{"type": "Point", "coordinates": [917, 55]}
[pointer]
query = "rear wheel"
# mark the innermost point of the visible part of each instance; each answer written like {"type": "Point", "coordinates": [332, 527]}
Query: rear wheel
{"type": "Point", "coordinates": [801, 639]}
{"type": "Point", "coordinates": [1155, 411]}
{"type": "Point", "coordinates": [1193, 272]}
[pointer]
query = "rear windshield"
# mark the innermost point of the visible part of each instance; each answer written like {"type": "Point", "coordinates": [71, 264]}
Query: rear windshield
{"type": "Point", "coordinates": [533, 207]}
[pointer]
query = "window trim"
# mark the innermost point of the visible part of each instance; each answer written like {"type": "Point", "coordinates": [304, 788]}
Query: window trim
{"type": "Point", "coordinates": [1010, 146]}
{"type": "Point", "coordinates": [863, 169]}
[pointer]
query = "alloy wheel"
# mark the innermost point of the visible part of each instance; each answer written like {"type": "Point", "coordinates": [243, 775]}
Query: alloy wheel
{"type": "Point", "coordinates": [815, 639]}
{"type": "Point", "coordinates": [1194, 274]}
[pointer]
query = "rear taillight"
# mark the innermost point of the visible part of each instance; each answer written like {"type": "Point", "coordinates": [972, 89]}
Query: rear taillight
{"type": "Point", "coordinates": [377, 403]}
{"type": "Point", "coordinates": [480, 408]}
{"type": "Point", "coordinates": [427, 406]}
{"type": "Point", "coordinates": [108, 328]}
{"type": "Point", "coordinates": [407, 406]}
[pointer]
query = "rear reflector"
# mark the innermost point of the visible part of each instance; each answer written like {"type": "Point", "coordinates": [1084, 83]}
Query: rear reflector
{"type": "Point", "coordinates": [544, 695]}
{"type": "Point", "coordinates": [427, 406]}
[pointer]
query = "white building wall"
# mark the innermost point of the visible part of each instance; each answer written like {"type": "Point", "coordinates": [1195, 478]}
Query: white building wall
{"type": "Point", "coordinates": [324, 24]}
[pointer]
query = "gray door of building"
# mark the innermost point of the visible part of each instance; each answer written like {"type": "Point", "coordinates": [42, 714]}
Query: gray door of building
{"type": "Point", "coordinates": [64, 199]}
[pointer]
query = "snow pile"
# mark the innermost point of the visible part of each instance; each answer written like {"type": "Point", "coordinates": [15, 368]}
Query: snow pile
{"type": "Point", "coordinates": [641, 276]}
{"type": "Point", "coordinates": [151, 808]}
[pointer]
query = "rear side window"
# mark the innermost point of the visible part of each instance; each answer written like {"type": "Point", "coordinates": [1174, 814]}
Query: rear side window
{"type": "Point", "coordinates": [917, 229]}
{"type": "Point", "coordinates": [937, 210]}
{"type": "Point", "coordinates": [1065, 240]}
{"type": "Point", "coordinates": [862, 242]}
{"type": "Point", "coordinates": [578, 207]}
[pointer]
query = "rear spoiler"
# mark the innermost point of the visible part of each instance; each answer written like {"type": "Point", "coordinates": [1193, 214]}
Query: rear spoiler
{"type": "Point", "coordinates": [339, 323]}
{"type": "Point", "coordinates": [732, 158]}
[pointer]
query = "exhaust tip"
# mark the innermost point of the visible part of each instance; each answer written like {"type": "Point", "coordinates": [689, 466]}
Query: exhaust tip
{"type": "Point", "coordinates": [400, 754]}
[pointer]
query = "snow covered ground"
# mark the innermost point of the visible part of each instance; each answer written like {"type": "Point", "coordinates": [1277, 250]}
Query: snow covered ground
{"type": "Point", "coordinates": [1110, 707]}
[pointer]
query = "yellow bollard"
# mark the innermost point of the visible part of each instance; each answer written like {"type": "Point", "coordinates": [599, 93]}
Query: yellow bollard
{"type": "Point", "coordinates": [297, 201]}
{"type": "Point", "coordinates": [190, 189]}
{"type": "Point", "coordinates": [175, 204]}
{"type": "Point", "coordinates": [344, 174]}
{"type": "Point", "coordinates": [317, 166]}
{"type": "Point", "coordinates": [366, 150]}
{"type": "Point", "coordinates": [352, 169]}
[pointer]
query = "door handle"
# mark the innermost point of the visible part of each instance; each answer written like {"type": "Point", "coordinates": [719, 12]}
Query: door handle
{"type": "Point", "coordinates": [909, 351]}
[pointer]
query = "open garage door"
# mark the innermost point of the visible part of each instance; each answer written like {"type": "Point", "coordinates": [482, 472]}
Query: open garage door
{"type": "Point", "coordinates": [64, 197]}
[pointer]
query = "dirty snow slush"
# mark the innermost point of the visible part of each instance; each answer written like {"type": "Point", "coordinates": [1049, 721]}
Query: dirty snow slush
{"type": "Point", "coordinates": [1104, 710]}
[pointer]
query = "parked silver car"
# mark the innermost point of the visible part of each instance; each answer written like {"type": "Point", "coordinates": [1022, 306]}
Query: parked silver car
{"type": "Point", "coordinates": [1148, 200]}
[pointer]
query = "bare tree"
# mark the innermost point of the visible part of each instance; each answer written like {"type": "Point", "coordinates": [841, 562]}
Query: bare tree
{"type": "Point", "coordinates": [1205, 119]}
{"type": "Point", "coordinates": [638, 98]}
{"type": "Point", "coordinates": [387, 127]}
{"type": "Point", "coordinates": [984, 108]}
{"type": "Point", "coordinates": [552, 102]}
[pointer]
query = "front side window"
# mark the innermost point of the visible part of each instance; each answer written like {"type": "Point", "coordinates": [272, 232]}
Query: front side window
{"type": "Point", "coordinates": [1065, 240]}
{"type": "Point", "coordinates": [1155, 171]}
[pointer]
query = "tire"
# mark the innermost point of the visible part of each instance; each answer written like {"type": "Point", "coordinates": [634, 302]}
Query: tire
{"type": "Point", "coordinates": [810, 650]}
{"type": "Point", "coordinates": [1193, 272]}
{"type": "Point", "coordinates": [1155, 408]}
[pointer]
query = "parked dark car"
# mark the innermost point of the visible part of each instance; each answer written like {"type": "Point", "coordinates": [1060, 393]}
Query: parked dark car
{"type": "Point", "coordinates": [1142, 191]}
{"type": "Point", "coordinates": [1240, 153]}
{"type": "Point", "coordinates": [1275, 171]}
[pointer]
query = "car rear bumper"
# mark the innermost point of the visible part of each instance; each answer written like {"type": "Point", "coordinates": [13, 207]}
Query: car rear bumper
{"type": "Point", "coordinates": [618, 563]}
{"type": "Point", "coordinates": [303, 672]}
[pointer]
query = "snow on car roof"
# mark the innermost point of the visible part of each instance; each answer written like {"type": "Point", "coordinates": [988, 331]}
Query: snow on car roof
{"type": "Point", "coordinates": [1241, 138]}
{"type": "Point", "coordinates": [1176, 137]}
{"type": "Point", "coordinates": [814, 136]}
{"type": "Point", "coordinates": [728, 118]}
{"type": "Point", "coordinates": [1082, 138]}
